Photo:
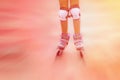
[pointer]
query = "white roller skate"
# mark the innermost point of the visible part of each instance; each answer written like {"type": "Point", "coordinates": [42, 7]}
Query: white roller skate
{"type": "Point", "coordinates": [78, 42]}
{"type": "Point", "coordinates": [63, 43]}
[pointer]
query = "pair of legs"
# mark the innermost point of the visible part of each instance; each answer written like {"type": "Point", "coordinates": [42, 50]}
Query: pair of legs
{"type": "Point", "coordinates": [64, 12]}
{"type": "Point", "coordinates": [64, 5]}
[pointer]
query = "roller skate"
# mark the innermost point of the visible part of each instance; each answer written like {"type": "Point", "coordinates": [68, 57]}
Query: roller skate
{"type": "Point", "coordinates": [78, 42]}
{"type": "Point", "coordinates": [63, 43]}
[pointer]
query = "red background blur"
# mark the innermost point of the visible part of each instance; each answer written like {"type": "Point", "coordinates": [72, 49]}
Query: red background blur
{"type": "Point", "coordinates": [29, 33]}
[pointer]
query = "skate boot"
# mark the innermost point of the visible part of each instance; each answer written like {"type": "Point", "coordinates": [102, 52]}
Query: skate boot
{"type": "Point", "coordinates": [78, 42]}
{"type": "Point", "coordinates": [63, 43]}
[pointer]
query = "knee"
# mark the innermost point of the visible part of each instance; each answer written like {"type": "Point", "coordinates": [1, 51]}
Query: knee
{"type": "Point", "coordinates": [63, 15]}
{"type": "Point", "coordinates": [75, 12]}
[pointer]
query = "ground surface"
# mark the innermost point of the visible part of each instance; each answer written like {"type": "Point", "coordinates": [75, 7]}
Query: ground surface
{"type": "Point", "coordinates": [29, 32]}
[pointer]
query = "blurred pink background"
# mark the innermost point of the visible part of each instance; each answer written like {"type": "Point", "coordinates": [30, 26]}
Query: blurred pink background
{"type": "Point", "coordinates": [29, 33]}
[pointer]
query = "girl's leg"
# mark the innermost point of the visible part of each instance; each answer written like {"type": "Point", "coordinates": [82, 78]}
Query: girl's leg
{"type": "Point", "coordinates": [75, 12]}
{"type": "Point", "coordinates": [74, 7]}
{"type": "Point", "coordinates": [63, 13]}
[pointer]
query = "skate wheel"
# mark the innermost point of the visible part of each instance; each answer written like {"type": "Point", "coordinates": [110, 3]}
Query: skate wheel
{"type": "Point", "coordinates": [81, 54]}
{"type": "Point", "coordinates": [59, 52]}
{"type": "Point", "coordinates": [81, 50]}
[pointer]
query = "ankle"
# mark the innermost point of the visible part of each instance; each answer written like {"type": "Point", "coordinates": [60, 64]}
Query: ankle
{"type": "Point", "coordinates": [65, 36]}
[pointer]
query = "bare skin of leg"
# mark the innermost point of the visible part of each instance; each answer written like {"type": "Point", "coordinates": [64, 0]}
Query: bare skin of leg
{"type": "Point", "coordinates": [76, 22]}
{"type": "Point", "coordinates": [64, 24]}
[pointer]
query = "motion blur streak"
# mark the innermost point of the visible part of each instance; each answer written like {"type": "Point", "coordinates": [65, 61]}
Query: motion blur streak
{"type": "Point", "coordinates": [29, 33]}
